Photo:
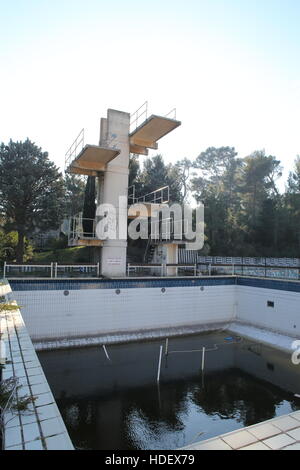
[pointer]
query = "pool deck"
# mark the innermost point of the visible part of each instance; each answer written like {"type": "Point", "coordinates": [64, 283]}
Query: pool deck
{"type": "Point", "coordinates": [40, 426]}
{"type": "Point", "coordinates": [281, 433]}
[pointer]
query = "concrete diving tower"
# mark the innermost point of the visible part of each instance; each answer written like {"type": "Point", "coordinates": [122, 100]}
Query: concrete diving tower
{"type": "Point", "coordinates": [120, 135]}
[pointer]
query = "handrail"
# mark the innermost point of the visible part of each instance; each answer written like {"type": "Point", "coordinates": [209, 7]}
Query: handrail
{"type": "Point", "coordinates": [173, 111]}
{"type": "Point", "coordinates": [131, 193]}
{"type": "Point", "coordinates": [72, 153]}
{"type": "Point", "coordinates": [136, 115]}
{"type": "Point", "coordinates": [156, 199]}
{"type": "Point", "coordinates": [76, 229]}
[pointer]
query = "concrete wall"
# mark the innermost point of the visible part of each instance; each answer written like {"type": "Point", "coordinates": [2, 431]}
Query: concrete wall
{"type": "Point", "coordinates": [51, 314]}
{"type": "Point", "coordinates": [284, 317]}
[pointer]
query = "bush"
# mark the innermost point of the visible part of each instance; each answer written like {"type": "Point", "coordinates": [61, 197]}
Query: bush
{"type": "Point", "coordinates": [8, 245]}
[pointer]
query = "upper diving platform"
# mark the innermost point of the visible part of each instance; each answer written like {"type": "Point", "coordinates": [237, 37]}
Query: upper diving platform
{"type": "Point", "coordinates": [88, 159]}
{"type": "Point", "coordinates": [145, 135]}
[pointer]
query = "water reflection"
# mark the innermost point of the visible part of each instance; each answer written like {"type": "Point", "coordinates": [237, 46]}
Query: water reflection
{"type": "Point", "coordinates": [117, 404]}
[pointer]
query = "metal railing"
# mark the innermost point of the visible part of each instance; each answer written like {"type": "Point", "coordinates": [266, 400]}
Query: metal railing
{"type": "Point", "coordinates": [73, 151]}
{"type": "Point", "coordinates": [131, 194]}
{"type": "Point", "coordinates": [81, 228]}
{"type": "Point", "coordinates": [275, 272]}
{"type": "Point", "coordinates": [168, 229]}
{"type": "Point", "coordinates": [51, 270]}
{"type": "Point", "coordinates": [171, 114]}
{"type": "Point", "coordinates": [250, 261]}
{"type": "Point", "coordinates": [145, 269]}
{"type": "Point", "coordinates": [160, 269]}
{"type": "Point", "coordinates": [138, 117]}
{"type": "Point", "coordinates": [159, 196]}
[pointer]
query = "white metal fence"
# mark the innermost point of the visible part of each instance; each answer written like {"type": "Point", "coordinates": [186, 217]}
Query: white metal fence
{"type": "Point", "coordinates": [191, 256]}
{"type": "Point", "coordinates": [161, 270]}
{"type": "Point", "coordinates": [52, 270]}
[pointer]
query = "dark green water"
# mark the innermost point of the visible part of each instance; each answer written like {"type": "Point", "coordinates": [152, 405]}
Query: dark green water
{"type": "Point", "coordinates": [117, 404]}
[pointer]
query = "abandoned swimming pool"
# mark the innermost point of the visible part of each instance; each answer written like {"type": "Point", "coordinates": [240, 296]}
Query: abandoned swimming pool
{"type": "Point", "coordinates": [111, 400]}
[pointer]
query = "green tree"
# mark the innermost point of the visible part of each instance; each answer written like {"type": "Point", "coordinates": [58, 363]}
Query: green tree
{"type": "Point", "coordinates": [257, 189]}
{"type": "Point", "coordinates": [31, 190]}
{"type": "Point", "coordinates": [182, 175]}
{"type": "Point", "coordinates": [74, 187]}
{"type": "Point", "coordinates": [8, 246]}
{"type": "Point", "coordinates": [215, 186]}
{"type": "Point", "coordinates": [292, 209]}
{"type": "Point", "coordinates": [156, 174]}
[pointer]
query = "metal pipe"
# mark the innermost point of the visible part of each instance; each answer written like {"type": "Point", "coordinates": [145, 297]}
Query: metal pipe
{"type": "Point", "coordinates": [105, 351]}
{"type": "Point", "coordinates": [159, 363]}
{"type": "Point", "coordinates": [203, 356]}
{"type": "Point", "coordinates": [167, 347]}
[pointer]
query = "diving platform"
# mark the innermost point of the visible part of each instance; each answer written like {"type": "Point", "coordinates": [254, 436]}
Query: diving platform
{"type": "Point", "coordinates": [146, 131]}
{"type": "Point", "coordinates": [82, 232]}
{"type": "Point", "coordinates": [85, 242]}
{"type": "Point", "coordinates": [146, 135]}
{"type": "Point", "coordinates": [92, 159]}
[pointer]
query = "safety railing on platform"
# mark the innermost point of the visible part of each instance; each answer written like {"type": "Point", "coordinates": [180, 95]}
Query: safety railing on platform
{"type": "Point", "coordinates": [139, 116]}
{"type": "Point", "coordinates": [131, 194]}
{"type": "Point", "coordinates": [51, 270]}
{"type": "Point", "coordinates": [75, 149]}
{"type": "Point", "coordinates": [171, 114]}
{"type": "Point", "coordinates": [81, 228]}
{"type": "Point", "coordinates": [169, 229]}
{"type": "Point", "coordinates": [159, 196]}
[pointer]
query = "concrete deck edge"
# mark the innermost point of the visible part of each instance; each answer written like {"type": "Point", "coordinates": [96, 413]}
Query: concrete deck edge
{"type": "Point", "coordinates": [41, 426]}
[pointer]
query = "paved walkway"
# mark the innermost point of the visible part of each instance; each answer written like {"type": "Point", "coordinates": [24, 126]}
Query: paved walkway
{"type": "Point", "coordinates": [281, 433]}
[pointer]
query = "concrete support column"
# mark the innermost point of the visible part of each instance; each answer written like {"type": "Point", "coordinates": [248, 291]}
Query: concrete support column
{"type": "Point", "coordinates": [115, 131]}
{"type": "Point", "coordinates": [172, 258]}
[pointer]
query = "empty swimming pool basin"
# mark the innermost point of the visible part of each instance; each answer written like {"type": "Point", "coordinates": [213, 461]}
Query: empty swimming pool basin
{"type": "Point", "coordinates": [115, 403]}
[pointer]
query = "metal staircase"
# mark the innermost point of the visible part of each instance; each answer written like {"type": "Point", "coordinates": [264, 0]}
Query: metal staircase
{"type": "Point", "coordinates": [149, 251]}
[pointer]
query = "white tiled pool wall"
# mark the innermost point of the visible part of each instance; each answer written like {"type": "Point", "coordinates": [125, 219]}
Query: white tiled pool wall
{"type": "Point", "coordinates": [86, 313]}
{"type": "Point", "coordinates": [40, 427]}
{"type": "Point", "coordinates": [283, 316]}
{"type": "Point", "coordinates": [89, 312]}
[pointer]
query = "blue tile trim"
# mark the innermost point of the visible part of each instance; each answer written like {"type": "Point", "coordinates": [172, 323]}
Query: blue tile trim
{"type": "Point", "coordinates": [276, 284]}
{"type": "Point", "coordinates": [76, 284]}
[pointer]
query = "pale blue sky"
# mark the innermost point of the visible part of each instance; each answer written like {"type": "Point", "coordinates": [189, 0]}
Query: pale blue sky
{"type": "Point", "coordinates": [230, 67]}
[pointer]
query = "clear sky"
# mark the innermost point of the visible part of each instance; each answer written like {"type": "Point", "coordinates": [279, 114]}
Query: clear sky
{"type": "Point", "coordinates": [230, 67]}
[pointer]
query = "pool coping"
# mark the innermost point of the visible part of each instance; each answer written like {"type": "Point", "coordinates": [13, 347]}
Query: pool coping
{"type": "Point", "coordinates": [41, 426]}
{"type": "Point", "coordinates": [281, 433]}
